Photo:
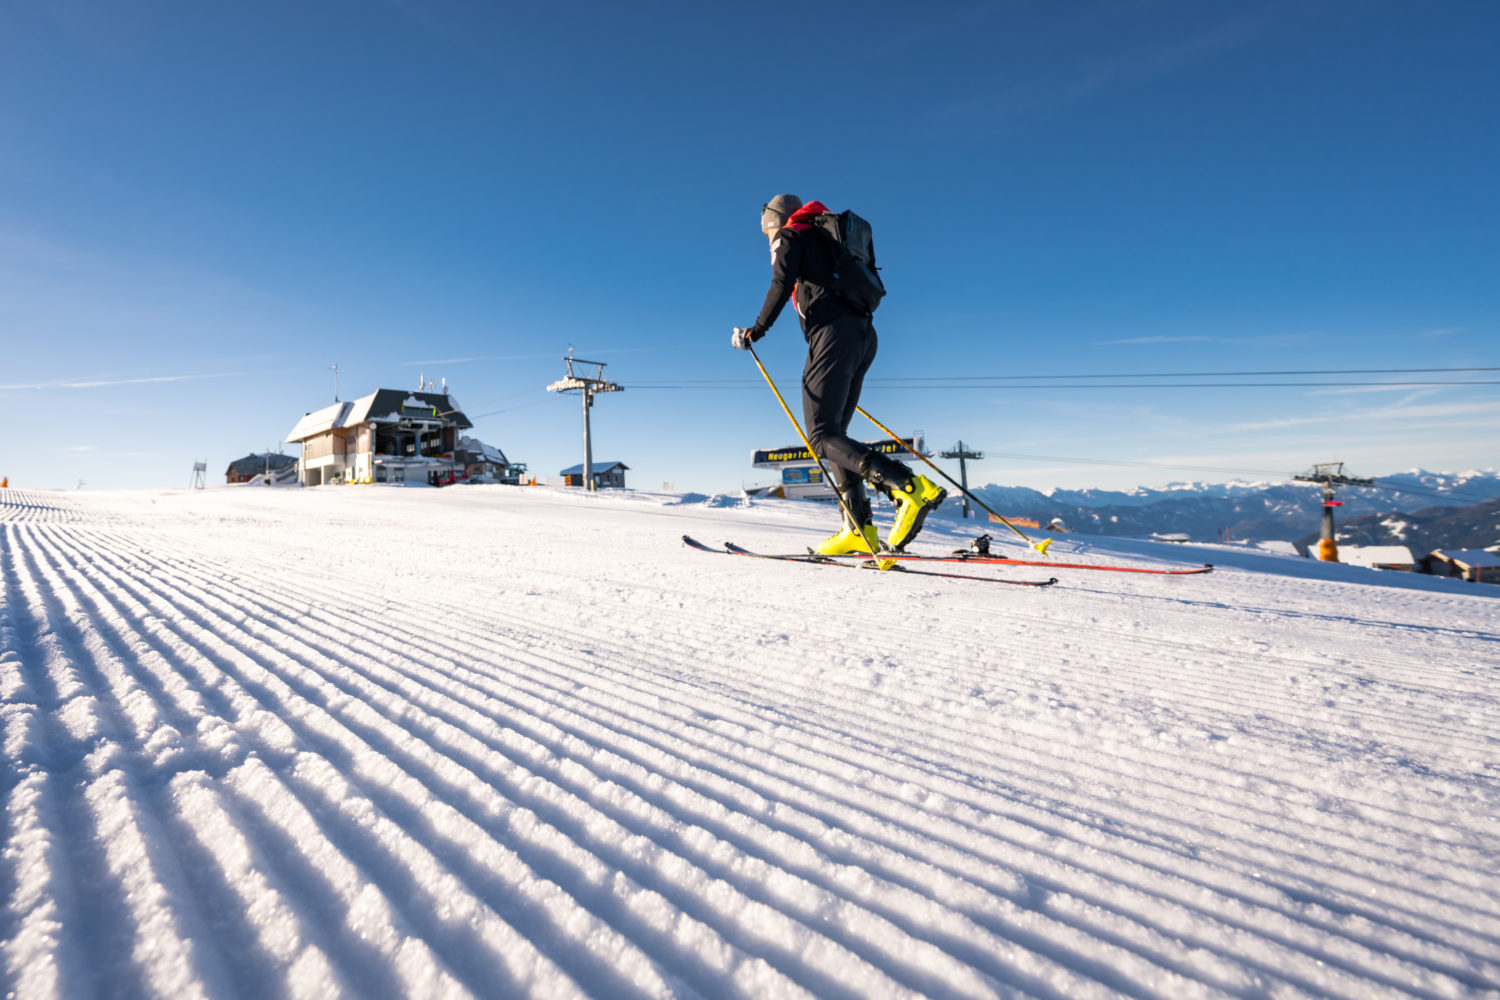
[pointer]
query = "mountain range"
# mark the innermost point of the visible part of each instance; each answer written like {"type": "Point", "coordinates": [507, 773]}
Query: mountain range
{"type": "Point", "coordinates": [1417, 508]}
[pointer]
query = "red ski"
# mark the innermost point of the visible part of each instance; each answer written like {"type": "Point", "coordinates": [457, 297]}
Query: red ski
{"type": "Point", "coordinates": [985, 559]}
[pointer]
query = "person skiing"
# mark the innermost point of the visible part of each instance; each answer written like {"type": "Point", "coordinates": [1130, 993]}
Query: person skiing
{"type": "Point", "coordinates": [841, 345]}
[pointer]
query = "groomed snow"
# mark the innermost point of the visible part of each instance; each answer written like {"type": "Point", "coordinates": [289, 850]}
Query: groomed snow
{"type": "Point", "coordinates": [498, 741]}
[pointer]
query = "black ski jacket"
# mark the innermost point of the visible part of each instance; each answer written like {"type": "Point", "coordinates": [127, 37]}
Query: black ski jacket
{"type": "Point", "coordinates": [802, 270]}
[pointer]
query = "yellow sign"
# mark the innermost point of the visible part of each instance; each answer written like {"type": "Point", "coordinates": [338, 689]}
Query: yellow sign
{"type": "Point", "coordinates": [776, 456]}
{"type": "Point", "coordinates": [1019, 522]}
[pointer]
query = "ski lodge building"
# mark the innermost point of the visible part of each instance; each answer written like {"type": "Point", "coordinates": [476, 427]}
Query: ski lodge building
{"type": "Point", "coordinates": [389, 436]}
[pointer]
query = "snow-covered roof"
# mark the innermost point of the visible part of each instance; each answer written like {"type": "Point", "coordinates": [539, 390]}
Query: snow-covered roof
{"type": "Point", "coordinates": [386, 406]}
{"type": "Point", "coordinates": [485, 452]}
{"type": "Point", "coordinates": [380, 407]}
{"type": "Point", "coordinates": [1375, 555]}
{"type": "Point", "coordinates": [1470, 557]}
{"type": "Point", "coordinates": [252, 464]}
{"type": "Point", "coordinates": [577, 470]}
{"type": "Point", "coordinates": [318, 421]}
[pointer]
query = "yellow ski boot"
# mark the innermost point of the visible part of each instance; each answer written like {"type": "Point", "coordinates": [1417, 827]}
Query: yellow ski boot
{"type": "Point", "coordinates": [914, 501]}
{"type": "Point", "coordinates": [851, 542]}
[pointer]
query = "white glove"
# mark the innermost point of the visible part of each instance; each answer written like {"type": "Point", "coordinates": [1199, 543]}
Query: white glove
{"type": "Point", "coordinates": [743, 337]}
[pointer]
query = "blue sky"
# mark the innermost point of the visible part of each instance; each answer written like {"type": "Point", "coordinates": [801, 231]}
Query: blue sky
{"type": "Point", "coordinates": [203, 206]}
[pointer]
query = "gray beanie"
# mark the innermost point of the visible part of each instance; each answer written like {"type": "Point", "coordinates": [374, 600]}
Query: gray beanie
{"type": "Point", "coordinates": [781, 207]}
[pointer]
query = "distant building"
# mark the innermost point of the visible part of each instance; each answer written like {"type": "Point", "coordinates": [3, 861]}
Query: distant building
{"type": "Point", "coordinates": [1394, 557]}
{"type": "Point", "coordinates": [1474, 565]}
{"type": "Point", "coordinates": [608, 475]}
{"type": "Point", "coordinates": [802, 479]}
{"type": "Point", "coordinates": [389, 436]}
{"type": "Point", "coordinates": [242, 470]}
{"type": "Point", "coordinates": [486, 463]}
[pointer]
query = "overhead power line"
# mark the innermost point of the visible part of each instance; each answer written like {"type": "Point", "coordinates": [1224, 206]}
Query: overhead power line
{"type": "Point", "coordinates": [948, 385]}
{"type": "Point", "coordinates": [1132, 380]}
{"type": "Point", "coordinates": [1311, 371]}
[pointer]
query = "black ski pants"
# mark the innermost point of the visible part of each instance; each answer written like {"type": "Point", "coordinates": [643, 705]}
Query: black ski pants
{"type": "Point", "coordinates": [838, 356]}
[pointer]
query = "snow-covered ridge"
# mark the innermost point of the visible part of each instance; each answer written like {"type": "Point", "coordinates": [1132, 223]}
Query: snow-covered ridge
{"type": "Point", "coordinates": [497, 741]}
{"type": "Point", "coordinates": [1430, 488]}
{"type": "Point", "coordinates": [1242, 510]}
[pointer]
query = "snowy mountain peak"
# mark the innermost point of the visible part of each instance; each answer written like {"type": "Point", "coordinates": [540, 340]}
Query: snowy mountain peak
{"type": "Point", "coordinates": [1253, 510]}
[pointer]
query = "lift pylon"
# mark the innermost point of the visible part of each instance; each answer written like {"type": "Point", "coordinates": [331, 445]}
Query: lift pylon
{"type": "Point", "coordinates": [1330, 474]}
{"type": "Point", "coordinates": [588, 385]}
{"type": "Point", "coordinates": [963, 455]}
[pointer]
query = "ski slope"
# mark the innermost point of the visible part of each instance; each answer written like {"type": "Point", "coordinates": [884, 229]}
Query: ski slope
{"type": "Point", "coordinates": [508, 742]}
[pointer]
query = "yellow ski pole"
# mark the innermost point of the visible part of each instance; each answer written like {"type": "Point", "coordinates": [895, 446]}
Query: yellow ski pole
{"type": "Point", "coordinates": [1039, 546]}
{"type": "Point", "coordinates": [808, 444]}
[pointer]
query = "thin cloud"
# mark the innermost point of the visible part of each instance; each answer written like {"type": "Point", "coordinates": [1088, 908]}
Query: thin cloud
{"type": "Point", "coordinates": [1158, 340]}
{"type": "Point", "coordinates": [1466, 411]}
{"type": "Point", "coordinates": [106, 382]}
{"type": "Point", "coordinates": [477, 357]}
{"type": "Point", "coordinates": [1360, 389]}
{"type": "Point", "coordinates": [1058, 90]}
{"type": "Point", "coordinates": [1441, 331]}
{"type": "Point", "coordinates": [582, 353]}
{"type": "Point", "coordinates": [1268, 340]}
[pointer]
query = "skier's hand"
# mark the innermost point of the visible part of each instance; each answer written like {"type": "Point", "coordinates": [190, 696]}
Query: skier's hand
{"type": "Point", "coordinates": [743, 337]}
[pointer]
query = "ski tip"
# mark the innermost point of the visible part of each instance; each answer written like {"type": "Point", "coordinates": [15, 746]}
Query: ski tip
{"type": "Point", "coordinates": [1042, 545]}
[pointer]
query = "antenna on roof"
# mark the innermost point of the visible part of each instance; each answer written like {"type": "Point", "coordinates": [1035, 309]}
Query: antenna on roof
{"type": "Point", "coordinates": [335, 382]}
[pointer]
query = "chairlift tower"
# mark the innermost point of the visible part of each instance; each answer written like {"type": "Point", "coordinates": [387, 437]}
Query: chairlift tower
{"type": "Point", "coordinates": [1330, 474]}
{"type": "Point", "coordinates": [963, 455]}
{"type": "Point", "coordinates": [199, 468]}
{"type": "Point", "coordinates": [587, 385]}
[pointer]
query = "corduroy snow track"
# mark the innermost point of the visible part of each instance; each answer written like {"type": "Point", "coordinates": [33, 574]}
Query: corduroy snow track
{"type": "Point", "coordinates": [496, 741]}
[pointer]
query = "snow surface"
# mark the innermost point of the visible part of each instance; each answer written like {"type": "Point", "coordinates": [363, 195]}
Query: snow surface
{"type": "Point", "coordinates": [499, 741]}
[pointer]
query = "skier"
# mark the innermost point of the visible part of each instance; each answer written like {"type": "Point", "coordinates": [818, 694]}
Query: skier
{"type": "Point", "coordinates": [841, 346]}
